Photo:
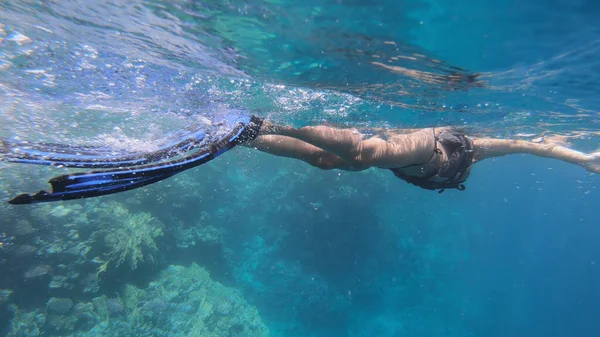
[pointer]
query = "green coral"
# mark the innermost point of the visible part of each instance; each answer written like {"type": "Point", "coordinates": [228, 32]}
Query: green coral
{"type": "Point", "coordinates": [196, 306]}
{"type": "Point", "coordinates": [128, 237]}
{"type": "Point", "coordinates": [27, 323]}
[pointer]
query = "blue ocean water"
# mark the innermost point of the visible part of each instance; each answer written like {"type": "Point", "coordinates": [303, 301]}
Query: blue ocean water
{"type": "Point", "coordinates": [318, 253]}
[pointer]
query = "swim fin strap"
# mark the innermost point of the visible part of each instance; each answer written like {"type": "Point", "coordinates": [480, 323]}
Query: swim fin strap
{"type": "Point", "coordinates": [98, 183]}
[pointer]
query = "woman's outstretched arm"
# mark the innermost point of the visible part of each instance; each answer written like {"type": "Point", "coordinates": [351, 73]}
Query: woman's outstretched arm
{"type": "Point", "coordinates": [489, 148]}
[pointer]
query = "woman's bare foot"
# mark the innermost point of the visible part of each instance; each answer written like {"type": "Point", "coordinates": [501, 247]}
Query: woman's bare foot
{"type": "Point", "coordinates": [594, 164]}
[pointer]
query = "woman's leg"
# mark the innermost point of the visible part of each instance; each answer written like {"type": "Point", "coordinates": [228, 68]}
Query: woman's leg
{"type": "Point", "coordinates": [360, 152]}
{"type": "Point", "coordinates": [293, 148]}
{"type": "Point", "coordinates": [342, 142]}
{"type": "Point", "coordinates": [488, 148]}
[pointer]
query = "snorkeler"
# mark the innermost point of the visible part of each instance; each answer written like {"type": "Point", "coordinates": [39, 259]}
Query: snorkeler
{"type": "Point", "coordinates": [432, 158]}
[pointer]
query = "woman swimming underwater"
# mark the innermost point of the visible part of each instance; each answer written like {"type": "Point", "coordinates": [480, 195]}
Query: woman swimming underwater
{"type": "Point", "coordinates": [432, 158]}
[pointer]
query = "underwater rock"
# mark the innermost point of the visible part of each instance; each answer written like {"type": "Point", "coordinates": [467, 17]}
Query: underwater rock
{"type": "Point", "coordinates": [133, 201]}
{"type": "Point", "coordinates": [5, 295]}
{"type": "Point", "coordinates": [63, 319]}
{"type": "Point", "coordinates": [25, 250]}
{"type": "Point", "coordinates": [22, 227]}
{"type": "Point", "coordinates": [92, 283]}
{"type": "Point", "coordinates": [155, 306]}
{"type": "Point", "coordinates": [209, 234]}
{"type": "Point", "coordinates": [101, 309]}
{"type": "Point", "coordinates": [59, 281]}
{"type": "Point", "coordinates": [115, 306]}
{"type": "Point", "coordinates": [84, 314]}
{"type": "Point", "coordinates": [187, 236]}
{"type": "Point", "coordinates": [58, 305]}
{"type": "Point", "coordinates": [84, 310]}
{"type": "Point", "coordinates": [61, 324]}
{"type": "Point", "coordinates": [224, 308]}
{"type": "Point", "coordinates": [38, 271]}
{"type": "Point", "coordinates": [61, 211]}
{"type": "Point", "coordinates": [26, 324]}
{"type": "Point", "coordinates": [187, 302]}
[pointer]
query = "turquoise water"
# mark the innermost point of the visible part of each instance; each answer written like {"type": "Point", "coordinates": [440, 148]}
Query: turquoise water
{"type": "Point", "coordinates": [317, 253]}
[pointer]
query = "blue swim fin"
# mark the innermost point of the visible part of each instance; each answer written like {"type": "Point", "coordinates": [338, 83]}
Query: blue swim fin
{"type": "Point", "coordinates": [96, 156]}
{"type": "Point", "coordinates": [97, 183]}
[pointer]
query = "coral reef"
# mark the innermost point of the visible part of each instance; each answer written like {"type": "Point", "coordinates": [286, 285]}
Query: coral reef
{"type": "Point", "coordinates": [5, 311]}
{"type": "Point", "coordinates": [67, 246]}
{"type": "Point", "coordinates": [182, 301]}
{"type": "Point", "coordinates": [132, 239]}
{"type": "Point", "coordinates": [26, 324]}
{"type": "Point", "coordinates": [186, 302]}
{"type": "Point", "coordinates": [59, 305]}
{"type": "Point", "coordinates": [91, 267]}
{"type": "Point", "coordinates": [200, 232]}
{"type": "Point", "coordinates": [5, 295]}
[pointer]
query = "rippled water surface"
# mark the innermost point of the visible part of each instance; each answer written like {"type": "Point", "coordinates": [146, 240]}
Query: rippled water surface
{"type": "Point", "coordinates": [519, 68]}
